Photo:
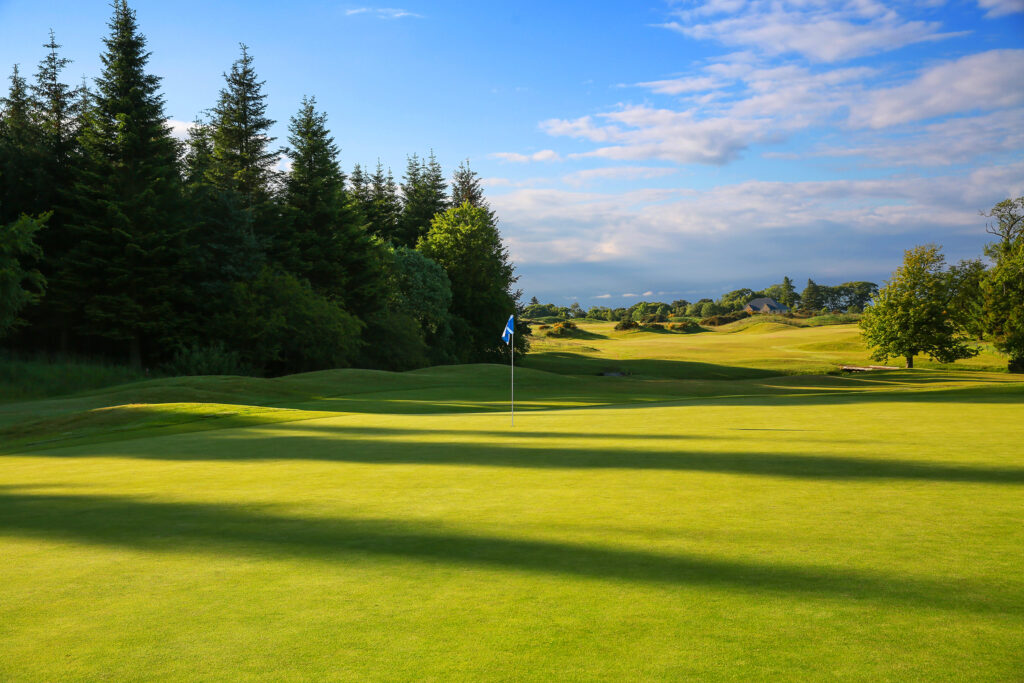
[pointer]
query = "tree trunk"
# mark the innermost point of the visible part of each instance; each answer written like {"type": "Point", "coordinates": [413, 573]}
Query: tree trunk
{"type": "Point", "coordinates": [136, 353]}
{"type": "Point", "coordinates": [910, 362]}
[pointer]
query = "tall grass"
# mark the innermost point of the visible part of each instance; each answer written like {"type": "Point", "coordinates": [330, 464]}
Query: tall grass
{"type": "Point", "coordinates": [28, 376]}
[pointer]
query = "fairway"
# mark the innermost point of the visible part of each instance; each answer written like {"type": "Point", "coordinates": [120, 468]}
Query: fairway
{"type": "Point", "coordinates": [355, 525]}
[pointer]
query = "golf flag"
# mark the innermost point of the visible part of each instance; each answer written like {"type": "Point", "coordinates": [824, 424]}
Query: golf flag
{"type": "Point", "coordinates": [506, 336]}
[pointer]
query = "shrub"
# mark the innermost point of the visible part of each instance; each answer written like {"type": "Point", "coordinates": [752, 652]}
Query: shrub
{"type": "Point", "coordinates": [566, 328]}
{"type": "Point", "coordinates": [654, 326]}
{"type": "Point", "coordinates": [687, 326]}
{"type": "Point", "coordinates": [544, 327]}
{"type": "Point", "coordinates": [716, 320]}
{"type": "Point", "coordinates": [211, 359]}
{"type": "Point", "coordinates": [626, 324]}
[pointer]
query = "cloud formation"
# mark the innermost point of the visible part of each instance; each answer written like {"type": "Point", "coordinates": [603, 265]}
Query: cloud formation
{"type": "Point", "coordinates": [543, 155]}
{"type": "Point", "coordinates": [384, 12]}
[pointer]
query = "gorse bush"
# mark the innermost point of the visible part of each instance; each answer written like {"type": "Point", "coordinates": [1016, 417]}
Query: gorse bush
{"type": "Point", "coordinates": [626, 324]}
{"type": "Point", "coordinates": [566, 328]}
{"type": "Point", "coordinates": [687, 326]}
{"type": "Point", "coordinates": [724, 319]}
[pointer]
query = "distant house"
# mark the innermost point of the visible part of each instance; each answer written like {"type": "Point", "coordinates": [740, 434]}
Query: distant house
{"type": "Point", "coordinates": [765, 304]}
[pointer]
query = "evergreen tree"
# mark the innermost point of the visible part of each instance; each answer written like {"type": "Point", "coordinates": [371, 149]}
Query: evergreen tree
{"type": "Point", "coordinates": [812, 298]}
{"type": "Point", "coordinates": [385, 208]}
{"type": "Point", "coordinates": [127, 258]}
{"type": "Point", "coordinates": [20, 283]}
{"type": "Point", "coordinates": [59, 112]}
{"type": "Point", "coordinates": [22, 179]}
{"type": "Point", "coordinates": [242, 159]}
{"type": "Point", "coordinates": [787, 294]}
{"type": "Point", "coordinates": [466, 187]}
{"type": "Point", "coordinates": [326, 244]}
{"type": "Point", "coordinates": [424, 194]}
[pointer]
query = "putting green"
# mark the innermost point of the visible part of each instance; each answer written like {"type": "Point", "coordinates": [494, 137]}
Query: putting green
{"type": "Point", "coordinates": [351, 525]}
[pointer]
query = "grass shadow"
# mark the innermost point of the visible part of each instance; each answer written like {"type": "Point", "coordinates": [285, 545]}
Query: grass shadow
{"type": "Point", "coordinates": [228, 529]}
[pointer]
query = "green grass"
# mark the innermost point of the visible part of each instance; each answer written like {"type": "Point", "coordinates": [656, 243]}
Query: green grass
{"type": "Point", "coordinates": [359, 525]}
{"type": "Point", "coordinates": [38, 375]}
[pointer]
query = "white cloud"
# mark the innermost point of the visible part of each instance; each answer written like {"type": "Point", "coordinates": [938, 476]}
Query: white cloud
{"type": "Point", "coordinates": [1000, 8]}
{"type": "Point", "coordinates": [819, 30]}
{"type": "Point", "coordinates": [180, 129]}
{"type": "Point", "coordinates": [629, 296]}
{"type": "Point", "coordinates": [682, 86]}
{"type": "Point", "coordinates": [578, 178]}
{"type": "Point", "coordinates": [543, 155]}
{"type": "Point", "coordinates": [383, 12]}
{"type": "Point", "coordinates": [647, 293]}
{"type": "Point", "coordinates": [988, 80]}
{"type": "Point", "coordinates": [558, 227]}
{"type": "Point", "coordinates": [603, 296]}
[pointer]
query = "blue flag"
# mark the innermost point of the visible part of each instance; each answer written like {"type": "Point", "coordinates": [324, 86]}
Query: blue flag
{"type": "Point", "coordinates": [506, 336]}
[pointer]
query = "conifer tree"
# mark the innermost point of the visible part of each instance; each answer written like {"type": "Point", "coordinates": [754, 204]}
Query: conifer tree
{"type": "Point", "coordinates": [812, 298]}
{"type": "Point", "coordinates": [466, 187]}
{"type": "Point", "coordinates": [318, 210]}
{"type": "Point", "coordinates": [22, 179]}
{"type": "Point", "coordinates": [385, 208]}
{"type": "Point", "coordinates": [242, 159]}
{"type": "Point", "coordinates": [126, 262]}
{"type": "Point", "coordinates": [424, 194]}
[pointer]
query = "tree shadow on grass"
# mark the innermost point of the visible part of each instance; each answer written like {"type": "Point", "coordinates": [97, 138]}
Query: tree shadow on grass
{"type": "Point", "coordinates": [228, 529]}
{"type": "Point", "coordinates": [315, 440]}
{"type": "Point", "coordinates": [564, 362]}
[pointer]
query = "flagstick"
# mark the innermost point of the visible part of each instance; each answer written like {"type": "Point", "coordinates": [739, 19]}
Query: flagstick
{"type": "Point", "coordinates": [512, 382]}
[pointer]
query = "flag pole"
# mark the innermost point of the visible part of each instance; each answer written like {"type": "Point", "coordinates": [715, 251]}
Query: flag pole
{"type": "Point", "coordinates": [512, 377]}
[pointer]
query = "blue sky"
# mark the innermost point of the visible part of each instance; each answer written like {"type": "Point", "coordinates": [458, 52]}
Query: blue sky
{"type": "Point", "coordinates": [632, 150]}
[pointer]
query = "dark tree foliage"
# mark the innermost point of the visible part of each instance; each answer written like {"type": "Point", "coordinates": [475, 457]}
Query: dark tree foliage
{"type": "Point", "coordinates": [424, 194]}
{"type": "Point", "coordinates": [22, 175]}
{"type": "Point", "coordinates": [812, 299]}
{"type": "Point", "coordinates": [21, 283]}
{"type": "Point", "coordinates": [1002, 287]}
{"type": "Point", "coordinates": [129, 242]}
{"type": "Point", "coordinates": [242, 158]}
{"type": "Point", "coordinates": [466, 187]}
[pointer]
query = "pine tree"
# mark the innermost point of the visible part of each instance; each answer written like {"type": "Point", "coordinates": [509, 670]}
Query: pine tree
{"type": "Point", "coordinates": [126, 262]}
{"type": "Point", "coordinates": [22, 180]}
{"type": "Point", "coordinates": [466, 187]}
{"type": "Point", "coordinates": [788, 296]}
{"type": "Point", "coordinates": [812, 298]}
{"type": "Point", "coordinates": [318, 210]}
{"type": "Point", "coordinates": [424, 194]}
{"type": "Point", "coordinates": [243, 161]}
{"type": "Point", "coordinates": [58, 109]}
{"type": "Point", "coordinates": [385, 207]}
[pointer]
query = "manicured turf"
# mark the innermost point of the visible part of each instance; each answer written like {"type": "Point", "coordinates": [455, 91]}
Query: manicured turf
{"type": "Point", "coordinates": [352, 525]}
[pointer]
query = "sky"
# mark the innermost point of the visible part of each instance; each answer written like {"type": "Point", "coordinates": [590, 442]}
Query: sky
{"type": "Point", "coordinates": [633, 150]}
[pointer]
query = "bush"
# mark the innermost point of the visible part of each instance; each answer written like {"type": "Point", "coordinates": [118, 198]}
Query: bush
{"type": "Point", "coordinates": [566, 328]}
{"type": "Point", "coordinates": [725, 319]}
{"type": "Point", "coordinates": [212, 359]}
{"type": "Point", "coordinates": [686, 327]}
{"type": "Point", "coordinates": [626, 324]}
{"type": "Point", "coordinates": [544, 327]}
{"type": "Point", "coordinates": [653, 326]}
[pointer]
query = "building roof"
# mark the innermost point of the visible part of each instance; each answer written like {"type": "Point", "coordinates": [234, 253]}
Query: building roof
{"type": "Point", "coordinates": [763, 303]}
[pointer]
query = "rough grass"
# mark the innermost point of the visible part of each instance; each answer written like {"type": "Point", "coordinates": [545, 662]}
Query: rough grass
{"type": "Point", "coordinates": [35, 376]}
{"type": "Point", "coordinates": [355, 525]}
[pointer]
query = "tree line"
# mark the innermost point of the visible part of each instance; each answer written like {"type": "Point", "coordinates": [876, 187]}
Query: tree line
{"type": "Point", "coordinates": [930, 308]}
{"type": "Point", "coordinates": [204, 257]}
{"type": "Point", "coordinates": [849, 297]}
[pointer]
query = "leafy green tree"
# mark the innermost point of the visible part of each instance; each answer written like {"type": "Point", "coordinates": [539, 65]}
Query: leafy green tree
{"type": "Point", "coordinates": [811, 298]}
{"type": "Point", "coordinates": [966, 305]}
{"type": "Point", "coordinates": [424, 194]}
{"type": "Point", "coordinates": [465, 241]}
{"type": "Point", "coordinates": [242, 159]}
{"type": "Point", "coordinates": [910, 315]}
{"type": "Point", "coordinates": [1002, 287]}
{"type": "Point", "coordinates": [21, 284]}
{"type": "Point", "coordinates": [127, 259]}
{"type": "Point", "coordinates": [280, 326]}
{"type": "Point", "coordinates": [858, 294]}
